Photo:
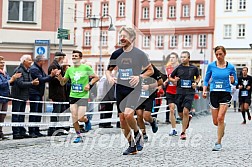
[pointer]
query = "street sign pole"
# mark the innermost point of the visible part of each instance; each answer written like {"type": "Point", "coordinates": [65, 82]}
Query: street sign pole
{"type": "Point", "coordinates": [61, 22]}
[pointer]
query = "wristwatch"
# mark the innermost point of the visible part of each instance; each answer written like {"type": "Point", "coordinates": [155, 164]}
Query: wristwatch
{"type": "Point", "coordinates": [90, 84]}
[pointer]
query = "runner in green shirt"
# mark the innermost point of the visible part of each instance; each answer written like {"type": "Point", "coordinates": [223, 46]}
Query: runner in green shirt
{"type": "Point", "coordinates": [79, 75]}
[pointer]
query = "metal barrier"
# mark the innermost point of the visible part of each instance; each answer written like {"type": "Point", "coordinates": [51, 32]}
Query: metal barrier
{"type": "Point", "coordinates": [201, 105]}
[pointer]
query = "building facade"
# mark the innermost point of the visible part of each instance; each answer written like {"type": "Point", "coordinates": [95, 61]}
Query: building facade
{"type": "Point", "coordinates": [233, 31]}
{"type": "Point", "coordinates": [24, 21]}
{"type": "Point", "coordinates": [163, 26]}
{"type": "Point", "coordinates": [176, 26]}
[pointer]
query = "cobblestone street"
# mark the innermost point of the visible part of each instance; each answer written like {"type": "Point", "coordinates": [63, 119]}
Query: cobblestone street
{"type": "Point", "coordinates": [104, 147]}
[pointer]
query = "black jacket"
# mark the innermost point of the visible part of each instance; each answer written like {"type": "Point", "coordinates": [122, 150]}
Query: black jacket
{"type": "Point", "coordinates": [37, 72]}
{"type": "Point", "coordinates": [56, 91]}
{"type": "Point", "coordinates": [20, 87]}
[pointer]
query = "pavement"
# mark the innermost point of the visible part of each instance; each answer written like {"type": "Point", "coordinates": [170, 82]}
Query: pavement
{"type": "Point", "coordinates": [104, 147]}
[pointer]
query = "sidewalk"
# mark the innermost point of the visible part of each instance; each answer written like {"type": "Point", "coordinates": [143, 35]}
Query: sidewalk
{"type": "Point", "coordinates": [104, 147]}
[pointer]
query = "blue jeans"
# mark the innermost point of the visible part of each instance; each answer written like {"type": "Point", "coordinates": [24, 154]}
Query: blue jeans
{"type": "Point", "coordinates": [18, 106]}
{"type": "Point", "coordinates": [35, 108]}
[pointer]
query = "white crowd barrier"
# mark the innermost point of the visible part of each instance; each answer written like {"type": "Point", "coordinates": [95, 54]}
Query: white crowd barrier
{"type": "Point", "coordinates": [64, 114]}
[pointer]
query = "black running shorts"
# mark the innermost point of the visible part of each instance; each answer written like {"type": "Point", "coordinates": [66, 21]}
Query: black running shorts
{"type": "Point", "coordinates": [78, 101]}
{"type": "Point", "coordinates": [126, 98]}
{"type": "Point", "coordinates": [217, 98]}
{"type": "Point", "coordinates": [184, 100]}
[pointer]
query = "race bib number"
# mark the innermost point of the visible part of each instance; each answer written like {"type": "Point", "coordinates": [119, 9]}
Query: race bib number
{"type": "Point", "coordinates": [77, 87]}
{"type": "Point", "coordinates": [219, 86]}
{"type": "Point", "coordinates": [186, 83]}
{"type": "Point", "coordinates": [145, 93]}
{"type": "Point", "coordinates": [125, 74]}
{"type": "Point", "coordinates": [170, 83]}
{"type": "Point", "coordinates": [244, 93]}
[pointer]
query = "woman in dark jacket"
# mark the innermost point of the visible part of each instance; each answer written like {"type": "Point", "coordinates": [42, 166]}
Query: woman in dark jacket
{"type": "Point", "coordinates": [5, 81]}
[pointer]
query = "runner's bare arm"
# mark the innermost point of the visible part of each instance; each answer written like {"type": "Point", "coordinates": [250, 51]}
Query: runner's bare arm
{"type": "Point", "coordinates": [149, 71]}
{"type": "Point", "coordinates": [95, 78]}
{"type": "Point", "coordinates": [62, 80]}
{"type": "Point", "coordinates": [109, 76]}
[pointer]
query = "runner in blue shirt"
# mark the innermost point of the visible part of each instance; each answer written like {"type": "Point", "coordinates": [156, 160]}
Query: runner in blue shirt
{"type": "Point", "coordinates": [220, 74]}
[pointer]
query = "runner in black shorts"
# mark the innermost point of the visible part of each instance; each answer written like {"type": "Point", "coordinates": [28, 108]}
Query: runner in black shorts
{"type": "Point", "coordinates": [130, 62]}
{"type": "Point", "coordinates": [148, 94]}
{"type": "Point", "coordinates": [244, 86]}
{"type": "Point", "coordinates": [171, 91]}
{"type": "Point", "coordinates": [220, 74]}
{"type": "Point", "coordinates": [79, 75]}
{"type": "Point", "coordinates": [187, 77]}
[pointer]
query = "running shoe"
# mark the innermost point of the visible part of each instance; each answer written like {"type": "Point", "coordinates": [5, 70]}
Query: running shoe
{"type": "Point", "coordinates": [183, 136]}
{"type": "Point", "coordinates": [78, 139]}
{"type": "Point", "coordinates": [139, 142]}
{"type": "Point", "coordinates": [88, 125]}
{"type": "Point", "coordinates": [173, 133]}
{"type": "Point", "coordinates": [217, 147]}
{"type": "Point", "coordinates": [244, 122]}
{"type": "Point", "coordinates": [130, 151]}
{"type": "Point", "coordinates": [190, 118]}
{"type": "Point", "coordinates": [249, 117]}
{"type": "Point", "coordinates": [145, 137]}
{"type": "Point", "coordinates": [154, 125]}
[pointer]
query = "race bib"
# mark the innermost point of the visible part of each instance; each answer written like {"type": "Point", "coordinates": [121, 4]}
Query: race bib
{"type": "Point", "coordinates": [125, 74]}
{"type": "Point", "coordinates": [170, 83]}
{"type": "Point", "coordinates": [244, 93]}
{"type": "Point", "coordinates": [145, 93]}
{"type": "Point", "coordinates": [185, 83]}
{"type": "Point", "coordinates": [219, 86]}
{"type": "Point", "coordinates": [77, 87]}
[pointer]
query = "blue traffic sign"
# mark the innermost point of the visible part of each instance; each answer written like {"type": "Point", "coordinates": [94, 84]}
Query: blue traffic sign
{"type": "Point", "coordinates": [40, 50]}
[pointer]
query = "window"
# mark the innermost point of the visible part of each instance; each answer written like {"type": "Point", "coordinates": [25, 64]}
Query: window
{"type": "Point", "coordinates": [145, 13]}
{"type": "Point", "coordinates": [187, 40]}
{"type": "Point", "coordinates": [121, 9]}
{"type": "Point", "coordinates": [87, 41]}
{"type": "Point", "coordinates": [88, 11]}
{"type": "Point", "coordinates": [99, 71]}
{"type": "Point", "coordinates": [21, 10]}
{"type": "Point", "coordinates": [200, 10]}
{"type": "Point", "coordinates": [105, 8]}
{"type": "Point", "coordinates": [202, 40]}
{"type": "Point", "coordinates": [159, 12]}
{"type": "Point", "coordinates": [146, 41]}
{"type": "Point", "coordinates": [104, 38]}
{"type": "Point", "coordinates": [172, 11]}
{"type": "Point", "coordinates": [186, 11]}
{"type": "Point", "coordinates": [227, 31]}
{"type": "Point", "coordinates": [228, 4]}
{"type": "Point", "coordinates": [173, 41]}
{"type": "Point", "coordinates": [241, 30]}
{"type": "Point", "coordinates": [160, 41]}
{"type": "Point", "coordinates": [242, 4]}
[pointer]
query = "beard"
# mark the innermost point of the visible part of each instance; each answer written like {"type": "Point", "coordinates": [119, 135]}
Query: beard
{"type": "Point", "coordinates": [126, 43]}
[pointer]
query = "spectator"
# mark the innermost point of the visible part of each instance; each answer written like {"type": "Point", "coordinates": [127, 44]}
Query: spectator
{"type": "Point", "coordinates": [107, 93]}
{"type": "Point", "coordinates": [158, 101]}
{"type": "Point", "coordinates": [234, 94]}
{"type": "Point", "coordinates": [37, 92]}
{"type": "Point", "coordinates": [65, 66]}
{"type": "Point", "coordinates": [20, 90]}
{"type": "Point", "coordinates": [57, 92]}
{"type": "Point", "coordinates": [5, 82]}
